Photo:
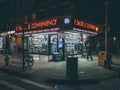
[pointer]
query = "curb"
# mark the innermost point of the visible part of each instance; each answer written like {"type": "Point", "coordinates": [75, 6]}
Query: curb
{"type": "Point", "coordinates": [68, 81]}
{"type": "Point", "coordinates": [17, 72]}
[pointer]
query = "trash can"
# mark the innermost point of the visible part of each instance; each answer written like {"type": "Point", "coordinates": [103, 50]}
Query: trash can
{"type": "Point", "coordinates": [72, 67]}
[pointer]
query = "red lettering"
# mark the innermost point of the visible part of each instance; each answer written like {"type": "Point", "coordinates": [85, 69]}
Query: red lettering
{"type": "Point", "coordinates": [50, 22]}
{"type": "Point", "coordinates": [44, 23]}
{"type": "Point", "coordinates": [84, 24]}
{"type": "Point", "coordinates": [19, 28]}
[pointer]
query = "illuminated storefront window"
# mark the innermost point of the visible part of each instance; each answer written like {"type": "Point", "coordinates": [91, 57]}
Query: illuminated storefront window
{"type": "Point", "coordinates": [46, 36]}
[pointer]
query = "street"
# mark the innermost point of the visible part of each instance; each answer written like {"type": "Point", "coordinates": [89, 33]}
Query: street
{"type": "Point", "coordinates": [110, 84]}
{"type": "Point", "coordinates": [10, 82]}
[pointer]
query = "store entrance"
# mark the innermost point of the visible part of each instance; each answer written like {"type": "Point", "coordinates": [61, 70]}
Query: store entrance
{"type": "Point", "coordinates": [56, 46]}
{"type": "Point", "coordinates": [53, 43]}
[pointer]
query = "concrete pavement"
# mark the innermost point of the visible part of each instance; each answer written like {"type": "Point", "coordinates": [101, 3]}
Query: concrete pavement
{"type": "Point", "coordinates": [43, 69]}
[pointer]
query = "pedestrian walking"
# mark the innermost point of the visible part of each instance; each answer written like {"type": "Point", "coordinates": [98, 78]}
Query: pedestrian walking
{"type": "Point", "coordinates": [88, 50]}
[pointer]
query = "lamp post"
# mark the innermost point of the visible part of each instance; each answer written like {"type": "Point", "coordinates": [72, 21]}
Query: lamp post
{"type": "Point", "coordinates": [107, 61]}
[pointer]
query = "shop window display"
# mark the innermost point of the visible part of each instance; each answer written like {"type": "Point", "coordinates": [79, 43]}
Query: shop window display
{"type": "Point", "coordinates": [38, 43]}
{"type": "Point", "coordinates": [72, 43]}
{"type": "Point", "coordinates": [1, 44]}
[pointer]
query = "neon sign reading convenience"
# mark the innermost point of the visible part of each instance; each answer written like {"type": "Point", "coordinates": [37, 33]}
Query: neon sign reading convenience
{"type": "Point", "coordinates": [84, 24]}
{"type": "Point", "coordinates": [51, 22]}
{"type": "Point", "coordinates": [40, 24]}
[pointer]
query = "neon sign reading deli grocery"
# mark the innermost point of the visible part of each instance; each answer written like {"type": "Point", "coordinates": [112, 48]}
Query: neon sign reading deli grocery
{"type": "Point", "coordinates": [84, 24]}
{"type": "Point", "coordinates": [40, 24]}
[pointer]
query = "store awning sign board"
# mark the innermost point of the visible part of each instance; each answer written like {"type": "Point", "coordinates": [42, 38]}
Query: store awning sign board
{"type": "Point", "coordinates": [85, 25]}
{"type": "Point", "coordinates": [39, 31]}
{"type": "Point", "coordinates": [40, 24]}
{"type": "Point", "coordinates": [84, 31]}
{"type": "Point", "coordinates": [64, 23]}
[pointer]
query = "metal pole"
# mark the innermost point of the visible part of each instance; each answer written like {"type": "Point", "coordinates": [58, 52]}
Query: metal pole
{"type": "Point", "coordinates": [107, 61]}
{"type": "Point", "coordinates": [63, 38]}
{"type": "Point", "coordinates": [23, 49]}
{"type": "Point", "coordinates": [63, 48]}
{"type": "Point", "coordinates": [106, 28]}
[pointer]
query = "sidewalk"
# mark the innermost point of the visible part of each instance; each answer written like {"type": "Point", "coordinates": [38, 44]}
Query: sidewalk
{"type": "Point", "coordinates": [46, 71]}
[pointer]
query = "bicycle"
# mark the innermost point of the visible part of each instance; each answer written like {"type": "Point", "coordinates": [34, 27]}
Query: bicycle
{"type": "Point", "coordinates": [28, 59]}
{"type": "Point", "coordinates": [17, 59]}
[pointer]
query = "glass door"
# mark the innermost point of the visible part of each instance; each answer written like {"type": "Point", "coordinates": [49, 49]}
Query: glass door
{"type": "Point", "coordinates": [53, 43]}
{"type": "Point", "coordinates": [55, 47]}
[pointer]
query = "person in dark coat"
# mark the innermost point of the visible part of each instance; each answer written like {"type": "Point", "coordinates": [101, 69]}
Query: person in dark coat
{"type": "Point", "coordinates": [98, 47]}
{"type": "Point", "coordinates": [88, 50]}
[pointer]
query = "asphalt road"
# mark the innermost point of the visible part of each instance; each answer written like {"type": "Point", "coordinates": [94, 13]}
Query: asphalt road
{"type": "Point", "coordinates": [111, 84]}
{"type": "Point", "coordinates": [11, 82]}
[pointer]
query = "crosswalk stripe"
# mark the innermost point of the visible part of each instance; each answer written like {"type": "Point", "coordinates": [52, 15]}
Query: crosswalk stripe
{"type": "Point", "coordinates": [36, 84]}
{"type": "Point", "coordinates": [10, 85]}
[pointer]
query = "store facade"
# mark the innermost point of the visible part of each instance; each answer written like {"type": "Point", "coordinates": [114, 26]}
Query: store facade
{"type": "Point", "coordinates": [7, 40]}
{"type": "Point", "coordinates": [64, 34]}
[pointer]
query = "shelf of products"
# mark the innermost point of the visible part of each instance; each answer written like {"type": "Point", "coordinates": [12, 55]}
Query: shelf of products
{"type": "Point", "coordinates": [38, 43]}
{"type": "Point", "coordinates": [71, 41]}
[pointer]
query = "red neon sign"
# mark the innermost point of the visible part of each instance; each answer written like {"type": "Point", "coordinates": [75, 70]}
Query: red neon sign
{"type": "Point", "coordinates": [51, 22]}
{"type": "Point", "coordinates": [84, 24]}
{"type": "Point", "coordinates": [19, 28]}
{"type": "Point", "coordinates": [46, 23]}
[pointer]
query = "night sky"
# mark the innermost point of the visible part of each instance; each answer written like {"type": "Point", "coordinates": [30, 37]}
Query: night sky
{"type": "Point", "coordinates": [114, 15]}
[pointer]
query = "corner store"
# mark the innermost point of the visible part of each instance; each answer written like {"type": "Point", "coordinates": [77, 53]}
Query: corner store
{"type": "Point", "coordinates": [63, 34]}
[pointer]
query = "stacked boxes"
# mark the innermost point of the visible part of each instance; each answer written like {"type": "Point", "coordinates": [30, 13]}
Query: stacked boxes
{"type": "Point", "coordinates": [101, 58]}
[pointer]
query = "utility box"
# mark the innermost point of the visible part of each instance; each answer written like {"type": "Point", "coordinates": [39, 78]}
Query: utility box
{"type": "Point", "coordinates": [72, 67]}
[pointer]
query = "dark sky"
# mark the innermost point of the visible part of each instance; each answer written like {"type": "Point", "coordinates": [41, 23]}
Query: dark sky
{"type": "Point", "coordinates": [114, 15]}
{"type": "Point", "coordinates": [96, 10]}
